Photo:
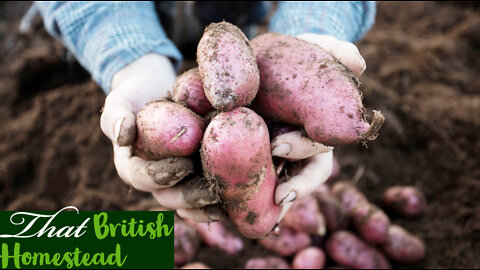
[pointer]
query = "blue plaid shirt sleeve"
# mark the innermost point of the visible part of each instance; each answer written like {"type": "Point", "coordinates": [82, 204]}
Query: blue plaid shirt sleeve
{"type": "Point", "coordinates": [106, 36]}
{"type": "Point", "coordinates": [347, 21]}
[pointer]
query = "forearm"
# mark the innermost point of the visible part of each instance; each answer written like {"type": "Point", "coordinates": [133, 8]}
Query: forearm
{"type": "Point", "coordinates": [105, 37]}
{"type": "Point", "coordinates": [347, 21]}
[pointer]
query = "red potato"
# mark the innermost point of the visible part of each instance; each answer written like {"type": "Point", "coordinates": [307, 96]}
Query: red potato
{"type": "Point", "coordinates": [166, 129]}
{"type": "Point", "coordinates": [188, 91]}
{"type": "Point", "coordinates": [267, 263]}
{"type": "Point", "coordinates": [348, 250]}
{"type": "Point", "coordinates": [403, 247]}
{"type": "Point", "coordinates": [304, 216]}
{"type": "Point", "coordinates": [309, 258]}
{"type": "Point", "coordinates": [371, 223]}
{"type": "Point", "coordinates": [186, 242]}
{"type": "Point", "coordinates": [236, 157]}
{"type": "Point", "coordinates": [227, 67]}
{"type": "Point", "coordinates": [301, 84]}
{"type": "Point", "coordinates": [216, 235]}
{"type": "Point", "coordinates": [348, 195]}
{"type": "Point", "coordinates": [335, 214]}
{"type": "Point", "coordinates": [404, 200]}
{"type": "Point", "coordinates": [287, 242]}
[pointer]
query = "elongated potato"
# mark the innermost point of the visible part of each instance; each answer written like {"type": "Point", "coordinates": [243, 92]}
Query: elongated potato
{"type": "Point", "coordinates": [309, 258]}
{"type": "Point", "coordinates": [188, 91]}
{"type": "Point", "coordinates": [216, 235]}
{"type": "Point", "coordinates": [401, 246]}
{"type": "Point", "coordinates": [348, 250]}
{"type": "Point", "coordinates": [227, 67]}
{"type": "Point", "coordinates": [335, 214]}
{"type": "Point", "coordinates": [186, 242]}
{"type": "Point", "coordinates": [287, 242]}
{"type": "Point", "coordinates": [236, 157]}
{"type": "Point", "coordinates": [348, 195]}
{"type": "Point", "coordinates": [304, 216]}
{"type": "Point", "coordinates": [301, 84]}
{"type": "Point", "coordinates": [166, 129]}
{"type": "Point", "coordinates": [270, 262]}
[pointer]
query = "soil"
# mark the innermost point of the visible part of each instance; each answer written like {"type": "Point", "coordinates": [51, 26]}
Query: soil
{"type": "Point", "coordinates": [422, 73]}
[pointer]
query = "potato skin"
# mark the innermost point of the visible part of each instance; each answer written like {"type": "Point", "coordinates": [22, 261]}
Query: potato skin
{"type": "Point", "coordinates": [188, 91]}
{"type": "Point", "coordinates": [348, 250]}
{"type": "Point", "coordinates": [166, 129]}
{"type": "Point", "coordinates": [270, 262]}
{"type": "Point", "coordinates": [186, 242]}
{"type": "Point", "coordinates": [309, 258]}
{"type": "Point", "coordinates": [287, 243]}
{"type": "Point", "coordinates": [304, 216]}
{"type": "Point", "coordinates": [301, 84]}
{"type": "Point", "coordinates": [335, 214]}
{"type": "Point", "coordinates": [407, 201]}
{"type": "Point", "coordinates": [403, 247]}
{"type": "Point", "coordinates": [216, 235]}
{"type": "Point", "coordinates": [227, 67]}
{"type": "Point", "coordinates": [236, 157]}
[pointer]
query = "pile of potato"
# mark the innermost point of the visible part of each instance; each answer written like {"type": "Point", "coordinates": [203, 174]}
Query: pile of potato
{"type": "Point", "coordinates": [220, 109]}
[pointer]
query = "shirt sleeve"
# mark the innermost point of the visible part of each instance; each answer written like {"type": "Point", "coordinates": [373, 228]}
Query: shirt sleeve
{"type": "Point", "coordinates": [347, 21]}
{"type": "Point", "coordinates": [106, 36]}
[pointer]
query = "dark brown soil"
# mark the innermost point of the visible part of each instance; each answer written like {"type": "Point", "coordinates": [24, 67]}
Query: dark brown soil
{"type": "Point", "coordinates": [423, 74]}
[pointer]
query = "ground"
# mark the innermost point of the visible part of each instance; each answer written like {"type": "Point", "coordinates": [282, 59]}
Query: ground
{"type": "Point", "coordinates": [422, 73]}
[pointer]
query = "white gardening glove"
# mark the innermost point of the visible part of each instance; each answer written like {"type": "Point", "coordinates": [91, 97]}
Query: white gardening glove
{"type": "Point", "coordinates": [293, 146]}
{"type": "Point", "coordinates": [145, 80]}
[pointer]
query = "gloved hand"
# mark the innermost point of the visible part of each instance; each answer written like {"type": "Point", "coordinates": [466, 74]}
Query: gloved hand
{"type": "Point", "coordinates": [318, 158]}
{"type": "Point", "coordinates": [145, 80]}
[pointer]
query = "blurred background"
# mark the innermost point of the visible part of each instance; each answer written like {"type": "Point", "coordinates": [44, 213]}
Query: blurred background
{"type": "Point", "coordinates": [423, 73]}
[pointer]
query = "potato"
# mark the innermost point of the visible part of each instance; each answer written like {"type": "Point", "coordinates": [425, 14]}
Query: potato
{"type": "Point", "coordinates": [348, 250]}
{"type": "Point", "coordinates": [304, 216]}
{"type": "Point", "coordinates": [370, 222]}
{"type": "Point", "coordinates": [195, 265]}
{"type": "Point", "coordinates": [335, 214]}
{"type": "Point", "coordinates": [227, 67]}
{"type": "Point", "coordinates": [188, 91]}
{"type": "Point", "coordinates": [287, 242]}
{"type": "Point", "coordinates": [301, 84]}
{"type": "Point", "coordinates": [309, 258]}
{"type": "Point", "coordinates": [186, 242]}
{"type": "Point", "coordinates": [216, 235]}
{"type": "Point", "coordinates": [270, 262]}
{"type": "Point", "coordinates": [166, 129]}
{"type": "Point", "coordinates": [407, 201]}
{"type": "Point", "coordinates": [403, 247]}
{"type": "Point", "coordinates": [236, 158]}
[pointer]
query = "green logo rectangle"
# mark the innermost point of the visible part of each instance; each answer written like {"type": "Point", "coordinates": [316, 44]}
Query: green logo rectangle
{"type": "Point", "coordinates": [86, 240]}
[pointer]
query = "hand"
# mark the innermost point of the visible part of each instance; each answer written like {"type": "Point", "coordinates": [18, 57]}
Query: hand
{"type": "Point", "coordinates": [145, 80]}
{"type": "Point", "coordinates": [318, 158]}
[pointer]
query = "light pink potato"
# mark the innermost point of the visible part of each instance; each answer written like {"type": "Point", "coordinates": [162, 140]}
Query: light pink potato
{"type": "Point", "coordinates": [287, 242]}
{"type": "Point", "coordinates": [335, 214]}
{"type": "Point", "coordinates": [403, 247]}
{"type": "Point", "coordinates": [188, 91]}
{"type": "Point", "coordinates": [166, 129]}
{"type": "Point", "coordinates": [370, 222]}
{"type": "Point", "coordinates": [186, 242]}
{"type": "Point", "coordinates": [407, 201]}
{"type": "Point", "coordinates": [227, 67]}
{"type": "Point", "coordinates": [195, 265]}
{"type": "Point", "coordinates": [236, 157]}
{"type": "Point", "coordinates": [304, 216]}
{"type": "Point", "coordinates": [267, 263]}
{"type": "Point", "coordinates": [348, 250]}
{"type": "Point", "coordinates": [309, 258]}
{"type": "Point", "coordinates": [301, 84]}
{"type": "Point", "coordinates": [215, 234]}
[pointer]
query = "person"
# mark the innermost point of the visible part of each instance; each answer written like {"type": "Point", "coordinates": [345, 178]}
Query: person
{"type": "Point", "coordinates": [129, 49]}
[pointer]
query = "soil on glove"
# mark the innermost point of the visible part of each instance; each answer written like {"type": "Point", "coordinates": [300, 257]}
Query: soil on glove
{"type": "Point", "coordinates": [423, 74]}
